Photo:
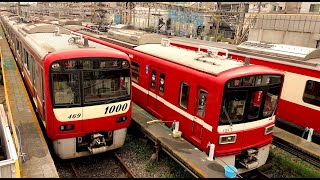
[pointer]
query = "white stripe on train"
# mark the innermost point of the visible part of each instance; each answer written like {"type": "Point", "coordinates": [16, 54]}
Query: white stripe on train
{"type": "Point", "coordinates": [294, 87]}
{"type": "Point", "coordinates": [91, 112]}
{"type": "Point", "coordinates": [221, 129]}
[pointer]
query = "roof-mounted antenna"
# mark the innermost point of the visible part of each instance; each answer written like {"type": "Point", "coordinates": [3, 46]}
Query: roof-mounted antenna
{"type": "Point", "coordinates": [57, 31]}
{"type": "Point", "coordinates": [247, 61]}
{"type": "Point", "coordinates": [85, 42]}
{"type": "Point", "coordinates": [165, 42]}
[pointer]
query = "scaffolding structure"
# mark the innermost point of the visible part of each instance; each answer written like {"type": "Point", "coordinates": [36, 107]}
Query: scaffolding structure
{"type": "Point", "coordinates": [142, 14]}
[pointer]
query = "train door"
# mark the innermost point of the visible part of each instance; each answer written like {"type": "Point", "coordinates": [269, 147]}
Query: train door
{"type": "Point", "coordinates": [154, 82]}
{"type": "Point", "coordinates": [42, 98]}
{"type": "Point", "coordinates": [200, 107]}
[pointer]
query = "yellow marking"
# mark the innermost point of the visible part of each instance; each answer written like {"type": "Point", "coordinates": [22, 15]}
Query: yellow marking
{"type": "Point", "coordinates": [205, 175]}
{"type": "Point", "coordinates": [15, 137]}
{"type": "Point", "coordinates": [18, 175]}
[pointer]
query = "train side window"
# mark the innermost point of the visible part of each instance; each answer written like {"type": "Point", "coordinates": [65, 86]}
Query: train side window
{"type": "Point", "coordinates": [184, 95]}
{"type": "Point", "coordinates": [153, 79]}
{"type": "Point", "coordinates": [202, 103]}
{"type": "Point", "coordinates": [30, 60]}
{"type": "Point", "coordinates": [162, 82]}
{"type": "Point", "coordinates": [135, 71]}
{"type": "Point", "coordinates": [312, 93]}
{"type": "Point", "coordinates": [25, 59]}
{"type": "Point", "coordinates": [18, 47]}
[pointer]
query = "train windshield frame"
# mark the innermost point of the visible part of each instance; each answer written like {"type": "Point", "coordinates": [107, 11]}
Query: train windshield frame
{"type": "Point", "coordinates": [89, 81]}
{"type": "Point", "coordinates": [250, 98]}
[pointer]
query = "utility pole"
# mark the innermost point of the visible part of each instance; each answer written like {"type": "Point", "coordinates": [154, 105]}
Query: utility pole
{"type": "Point", "coordinates": [19, 9]}
{"type": "Point", "coordinates": [133, 9]}
{"type": "Point", "coordinates": [148, 16]}
{"type": "Point", "coordinates": [217, 21]}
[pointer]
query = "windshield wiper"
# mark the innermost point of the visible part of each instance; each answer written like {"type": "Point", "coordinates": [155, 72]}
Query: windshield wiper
{"type": "Point", "coordinates": [275, 108]}
{"type": "Point", "coordinates": [226, 113]}
{"type": "Point", "coordinates": [118, 99]}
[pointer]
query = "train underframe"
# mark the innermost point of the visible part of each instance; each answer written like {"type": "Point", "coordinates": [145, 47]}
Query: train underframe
{"type": "Point", "coordinates": [297, 130]}
{"type": "Point", "coordinates": [248, 160]}
{"type": "Point", "coordinates": [92, 143]}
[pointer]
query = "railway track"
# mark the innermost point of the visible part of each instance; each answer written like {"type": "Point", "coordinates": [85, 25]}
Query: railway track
{"type": "Point", "coordinates": [261, 172]}
{"type": "Point", "coordinates": [296, 152]}
{"type": "Point", "coordinates": [111, 168]}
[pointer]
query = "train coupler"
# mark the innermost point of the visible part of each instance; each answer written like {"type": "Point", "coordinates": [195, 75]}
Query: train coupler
{"type": "Point", "coordinates": [249, 158]}
{"type": "Point", "coordinates": [97, 140]}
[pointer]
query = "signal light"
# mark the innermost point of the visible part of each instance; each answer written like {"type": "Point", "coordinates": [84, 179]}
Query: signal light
{"type": "Point", "coordinates": [121, 119]}
{"type": "Point", "coordinates": [227, 139]}
{"type": "Point", "coordinates": [66, 127]}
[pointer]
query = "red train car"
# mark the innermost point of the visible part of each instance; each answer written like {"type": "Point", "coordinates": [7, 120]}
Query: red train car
{"type": "Point", "coordinates": [299, 105]}
{"type": "Point", "coordinates": [216, 100]}
{"type": "Point", "coordinates": [81, 89]}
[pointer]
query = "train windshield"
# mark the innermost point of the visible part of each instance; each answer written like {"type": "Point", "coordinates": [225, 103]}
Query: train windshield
{"type": "Point", "coordinates": [89, 82]}
{"type": "Point", "coordinates": [105, 85]}
{"type": "Point", "coordinates": [250, 98]}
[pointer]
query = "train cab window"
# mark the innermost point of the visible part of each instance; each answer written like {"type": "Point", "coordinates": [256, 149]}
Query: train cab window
{"type": "Point", "coordinates": [153, 79]}
{"type": "Point", "coordinates": [135, 71]}
{"type": "Point", "coordinates": [233, 107]}
{"type": "Point", "coordinates": [202, 103]}
{"type": "Point", "coordinates": [184, 95]}
{"type": "Point", "coordinates": [106, 85]}
{"type": "Point", "coordinates": [66, 88]}
{"type": "Point", "coordinates": [312, 93]}
{"type": "Point", "coordinates": [161, 84]}
{"type": "Point", "coordinates": [255, 103]}
{"type": "Point", "coordinates": [270, 103]}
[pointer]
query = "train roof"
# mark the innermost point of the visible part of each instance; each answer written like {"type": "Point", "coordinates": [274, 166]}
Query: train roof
{"type": "Point", "coordinates": [121, 34]}
{"type": "Point", "coordinates": [279, 53]}
{"type": "Point", "coordinates": [304, 53]}
{"type": "Point", "coordinates": [74, 27]}
{"type": "Point", "coordinates": [42, 39]}
{"type": "Point", "coordinates": [199, 61]}
{"type": "Point", "coordinates": [136, 37]}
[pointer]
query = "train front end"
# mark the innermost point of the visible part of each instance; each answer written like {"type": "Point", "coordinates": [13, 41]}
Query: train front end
{"type": "Point", "coordinates": [89, 102]}
{"type": "Point", "coordinates": [247, 117]}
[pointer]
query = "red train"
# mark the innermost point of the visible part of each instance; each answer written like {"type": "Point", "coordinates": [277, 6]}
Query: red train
{"type": "Point", "coordinates": [299, 104]}
{"type": "Point", "coordinates": [81, 89]}
{"type": "Point", "coordinates": [216, 100]}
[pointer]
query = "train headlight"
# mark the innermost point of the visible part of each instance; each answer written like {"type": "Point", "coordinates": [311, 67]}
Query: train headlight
{"type": "Point", "coordinates": [227, 139]}
{"type": "Point", "coordinates": [55, 66]}
{"type": "Point", "coordinates": [66, 127]}
{"type": "Point", "coordinates": [125, 63]}
{"type": "Point", "coordinates": [121, 119]}
{"type": "Point", "coordinates": [269, 129]}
